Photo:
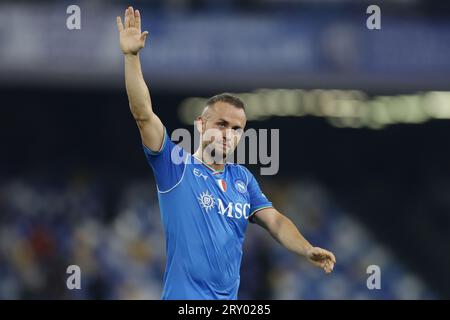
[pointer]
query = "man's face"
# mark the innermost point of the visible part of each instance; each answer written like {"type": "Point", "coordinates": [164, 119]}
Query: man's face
{"type": "Point", "coordinates": [221, 126]}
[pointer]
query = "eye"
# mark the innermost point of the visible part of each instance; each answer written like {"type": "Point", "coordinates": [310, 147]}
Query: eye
{"type": "Point", "coordinates": [221, 125]}
{"type": "Point", "coordinates": [238, 131]}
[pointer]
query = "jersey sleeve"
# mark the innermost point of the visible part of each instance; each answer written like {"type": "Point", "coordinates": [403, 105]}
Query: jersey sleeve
{"type": "Point", "coordinates": [258, 200]}
{"type": "Point", "coordinates": [168, 164]}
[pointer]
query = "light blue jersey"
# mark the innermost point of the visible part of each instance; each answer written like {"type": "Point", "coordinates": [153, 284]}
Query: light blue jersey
{"type": "Point", "coordinates": [205, 214]}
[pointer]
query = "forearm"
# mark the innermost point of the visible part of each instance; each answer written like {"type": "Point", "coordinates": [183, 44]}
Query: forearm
{"type": "Point", "coordinates": [286, 233]}
{"type": "Point", "coordinates": [137, 90]}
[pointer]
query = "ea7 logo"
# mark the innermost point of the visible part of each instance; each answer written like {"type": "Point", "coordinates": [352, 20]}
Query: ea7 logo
{"type": "Point", "coordinates": [198, 173]}
{"type": "Point", "coordinates": [234, 210]}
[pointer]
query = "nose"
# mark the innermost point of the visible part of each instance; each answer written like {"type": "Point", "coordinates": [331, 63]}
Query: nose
{"type": "Point", "coordinates": [227, 135]}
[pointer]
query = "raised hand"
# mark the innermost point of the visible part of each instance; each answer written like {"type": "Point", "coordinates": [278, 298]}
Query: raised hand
{"type": "Point", "coordinates": [132, 40]}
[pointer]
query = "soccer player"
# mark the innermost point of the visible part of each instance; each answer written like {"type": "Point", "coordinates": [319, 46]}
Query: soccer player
{"type": "Point", "coordinates": [205, 204]}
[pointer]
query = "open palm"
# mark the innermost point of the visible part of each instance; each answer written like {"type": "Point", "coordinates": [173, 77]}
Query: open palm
{"type": "Point", "coordinates": [131, 38]}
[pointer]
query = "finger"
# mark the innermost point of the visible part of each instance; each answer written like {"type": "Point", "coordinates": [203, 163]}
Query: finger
{"type": "Point", "coordinates": [318, 255]}
{"type": "Point", "coordinates": [324, 254]}
{"type": "Point", "coordinates": [132, 19]}
{"type": "Point", "coordinates": [333, 258]}
{"type": "Point", "coordinates": [330, 256]}
{"type": "Point", "coordinates": [327, 267]}
{"type": "Point", "coordinates": [144, 36]}
{"type": "Point", "coordinates": [137, 18]}
{"type": "Point", "coordinates": [314, 253]}
{"type": "Point", "coordinates": [127, 18]}
{"type": "Point", "coordinates": [119, 24]}
{"type": "Point", "coordinates": [324, 266]}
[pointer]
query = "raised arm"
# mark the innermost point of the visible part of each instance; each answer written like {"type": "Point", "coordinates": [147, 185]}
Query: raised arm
{"type": "Point", "coordinates": [132, 40]}
{"type": "Point", "coordinates": [286, 233]}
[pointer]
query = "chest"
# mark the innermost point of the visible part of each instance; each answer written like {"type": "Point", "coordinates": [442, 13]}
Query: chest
{"type": "Point", "coordinates": [224, 193]}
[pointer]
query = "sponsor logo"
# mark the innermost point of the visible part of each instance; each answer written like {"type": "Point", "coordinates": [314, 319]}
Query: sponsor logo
{"type": "Point", "coordinates": [198, 173]}
{"type": "Point", "coordinates": [234, 210]}
{"type": "Point", "coordinates": [206, 200]}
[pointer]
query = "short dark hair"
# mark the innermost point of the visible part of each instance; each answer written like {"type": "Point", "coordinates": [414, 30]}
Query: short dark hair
{"type": "Point", "coordinates": [227, 98]}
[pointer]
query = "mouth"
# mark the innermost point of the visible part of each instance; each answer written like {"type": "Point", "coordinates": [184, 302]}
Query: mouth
{"type": "Point", "coordinates": [223, 146]}
{"type": "Point", "coordinates": [226, 145]}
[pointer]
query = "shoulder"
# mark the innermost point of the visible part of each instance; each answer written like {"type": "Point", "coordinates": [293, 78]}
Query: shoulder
{"type": "Point", "coordinates": [241, 171]}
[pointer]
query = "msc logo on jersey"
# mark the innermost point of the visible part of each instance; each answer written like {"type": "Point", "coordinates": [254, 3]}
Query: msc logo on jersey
{"type": "Point", "coordinates": [240, 186]}
{"type": "Point", "coordinates": [232, 209]}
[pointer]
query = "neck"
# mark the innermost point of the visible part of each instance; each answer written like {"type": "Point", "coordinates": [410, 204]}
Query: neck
{"type": "Point", "coordinates": [207, 159]}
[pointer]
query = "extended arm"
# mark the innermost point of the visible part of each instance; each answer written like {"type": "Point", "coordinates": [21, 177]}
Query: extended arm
{"type": "Point", "coordinates": [286, 233]}
{"type": "Point", "coordinates": [131, 42]}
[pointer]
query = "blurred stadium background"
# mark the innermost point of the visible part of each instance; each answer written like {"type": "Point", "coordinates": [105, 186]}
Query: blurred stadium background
{"type": "Point", "coordinates": [364, 158]}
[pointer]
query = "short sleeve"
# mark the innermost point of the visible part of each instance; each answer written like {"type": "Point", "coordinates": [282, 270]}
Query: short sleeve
{"type": "Point", "coordinates": [168, 164]}
{"type": "Point", "coordinates": [258, 199]}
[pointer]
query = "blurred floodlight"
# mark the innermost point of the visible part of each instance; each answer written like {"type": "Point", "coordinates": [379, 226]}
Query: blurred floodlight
{"type": "Point", "coordinates": [342, 108]}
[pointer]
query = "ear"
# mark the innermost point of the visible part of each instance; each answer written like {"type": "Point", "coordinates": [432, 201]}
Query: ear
{"type": "Point", "coordinates": [199, 124]}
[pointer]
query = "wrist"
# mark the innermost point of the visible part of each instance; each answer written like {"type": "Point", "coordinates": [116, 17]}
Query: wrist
{"type": "Point", "coordinates": [305, 250]}
{"type": "Point", "coordinates": [131, 55]}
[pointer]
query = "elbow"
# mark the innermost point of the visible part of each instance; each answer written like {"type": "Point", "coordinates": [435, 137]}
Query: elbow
{"type": "Point", "coordinates": [141, 118]}
{"type": "Point", "coordinates": [140, 113]}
